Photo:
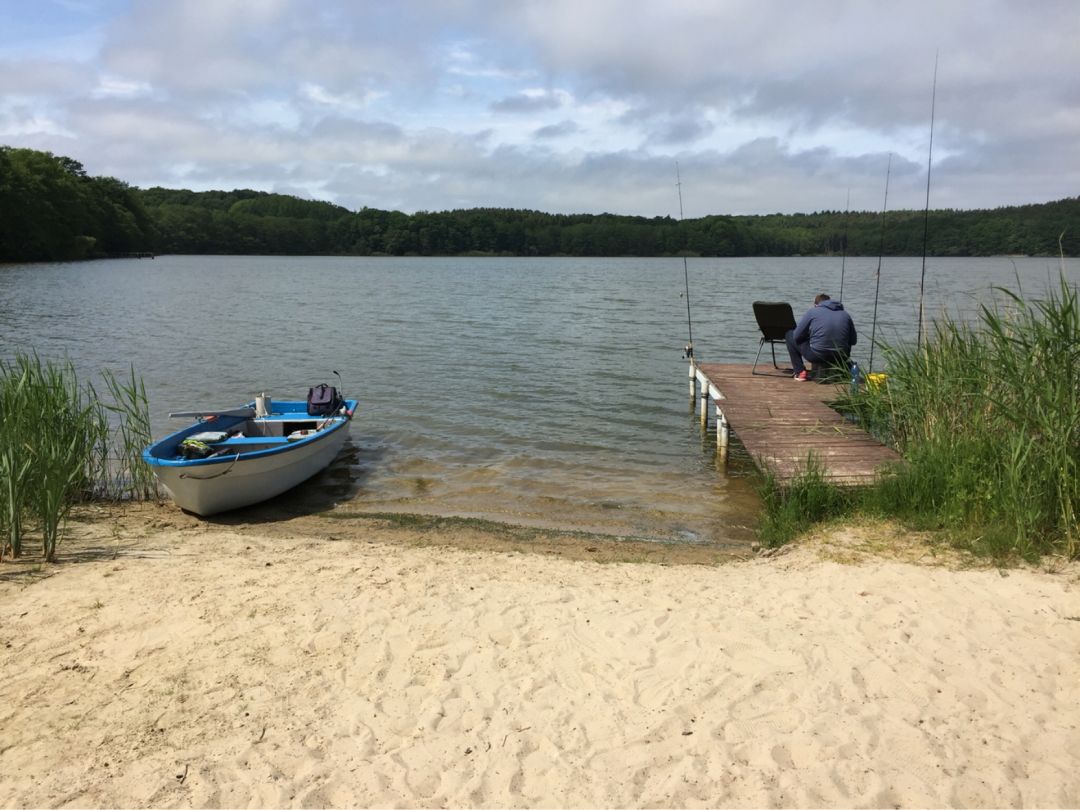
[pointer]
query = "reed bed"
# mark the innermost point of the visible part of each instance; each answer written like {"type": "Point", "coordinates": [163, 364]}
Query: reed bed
{"type": "Point", "coordinates": [60, 443]}
{"type": "Point", "coordinates": [987, 417]}
{"type": "Point", "coordinates": [807, 499]}
{"type": "Point", "coordinates": [129, 406]}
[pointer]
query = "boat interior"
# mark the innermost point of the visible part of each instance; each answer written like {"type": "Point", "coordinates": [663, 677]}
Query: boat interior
{"type": "Point", "coordinates": [231, 434]}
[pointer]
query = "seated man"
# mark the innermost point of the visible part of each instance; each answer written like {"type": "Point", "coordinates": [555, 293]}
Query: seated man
{"type": "Point", "coordinates": [824, 336]}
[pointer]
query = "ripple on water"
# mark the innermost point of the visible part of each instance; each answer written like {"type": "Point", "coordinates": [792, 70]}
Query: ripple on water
{"type": "Point", "coordinates": [547, 392]}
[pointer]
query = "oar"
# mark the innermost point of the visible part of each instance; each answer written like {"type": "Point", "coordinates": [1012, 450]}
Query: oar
{"type": "Point", "coordinates": [247, 413]}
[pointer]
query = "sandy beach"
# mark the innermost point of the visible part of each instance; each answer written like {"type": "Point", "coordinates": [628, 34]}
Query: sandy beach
{"type": "Point", "coordinates": [313, 662]}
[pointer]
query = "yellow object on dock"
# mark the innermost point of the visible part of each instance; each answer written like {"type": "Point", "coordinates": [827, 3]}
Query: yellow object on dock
{"type": "Point", "coordinates": [876, 380]}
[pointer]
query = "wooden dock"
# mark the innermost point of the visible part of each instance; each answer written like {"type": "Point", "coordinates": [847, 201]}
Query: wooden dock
{"type": "Point", "coordinates": [781, 421]}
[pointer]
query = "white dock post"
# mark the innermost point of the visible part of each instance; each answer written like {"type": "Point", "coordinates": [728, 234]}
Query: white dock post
{"type": "Point", "coordinates": [722, 433]}
{"type": "Point", "coordinates": [693, 381]}
{"type": "Point", "coordinates": [710, 392]}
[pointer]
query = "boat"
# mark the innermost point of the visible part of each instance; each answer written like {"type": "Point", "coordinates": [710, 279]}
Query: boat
{"type": "Point", "coordinates": [237, 457]}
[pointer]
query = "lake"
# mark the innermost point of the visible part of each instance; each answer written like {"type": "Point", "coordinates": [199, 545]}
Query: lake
{"type": "Point", "coordinates": [544, 392]}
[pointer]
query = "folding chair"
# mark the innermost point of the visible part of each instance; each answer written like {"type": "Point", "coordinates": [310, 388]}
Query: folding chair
{"type": "Point", "coordinates": [775, 319]}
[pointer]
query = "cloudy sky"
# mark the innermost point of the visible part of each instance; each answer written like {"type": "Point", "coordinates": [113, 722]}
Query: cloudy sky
{"type": "Point", "coordinates": [562, 106]}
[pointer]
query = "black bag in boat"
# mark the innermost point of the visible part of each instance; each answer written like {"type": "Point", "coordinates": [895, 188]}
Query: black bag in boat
{"type": "Point", "coordinates": [323, 400]}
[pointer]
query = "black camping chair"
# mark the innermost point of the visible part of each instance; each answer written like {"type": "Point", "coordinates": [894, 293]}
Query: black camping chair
{"type": "Point", "coordinates": [775, 319]}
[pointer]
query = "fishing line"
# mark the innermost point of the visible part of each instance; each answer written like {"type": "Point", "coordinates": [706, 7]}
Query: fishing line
{"type": "Point", "coordinates": [881, 252]}
{"type": "Point", "coordinates": [688, 352]}
{"type": "Point", "coordinates": [926, 212]}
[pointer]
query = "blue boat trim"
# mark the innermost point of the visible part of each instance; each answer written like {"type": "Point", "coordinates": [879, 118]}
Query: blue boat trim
{"type": "Point", "coordinates": [162, 453]}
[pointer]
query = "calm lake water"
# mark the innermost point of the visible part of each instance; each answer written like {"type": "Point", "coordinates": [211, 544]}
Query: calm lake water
{"type": "Point", "coordinates": [545, 392]}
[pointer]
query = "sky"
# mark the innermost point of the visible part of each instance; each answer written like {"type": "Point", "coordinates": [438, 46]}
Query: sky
{"type": "Point", "coordinates": [564, 106]}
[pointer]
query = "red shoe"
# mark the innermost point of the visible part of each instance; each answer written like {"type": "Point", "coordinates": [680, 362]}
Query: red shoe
{"type": "Point", "coordinates": [802, 376]}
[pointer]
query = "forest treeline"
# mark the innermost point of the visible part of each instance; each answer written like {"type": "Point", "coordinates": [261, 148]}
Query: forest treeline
{"type": "Point", "coordinates": [50, 210]}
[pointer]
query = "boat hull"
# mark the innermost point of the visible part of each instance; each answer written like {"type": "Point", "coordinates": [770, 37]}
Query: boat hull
{"type": "Point", "coordinates": [229, 480]}
{"type": "Point", "coordinates": [244, 482]}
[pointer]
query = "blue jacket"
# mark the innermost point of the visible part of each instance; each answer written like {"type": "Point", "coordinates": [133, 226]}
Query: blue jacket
{"type": "Point", "coordinates": [828, 327]}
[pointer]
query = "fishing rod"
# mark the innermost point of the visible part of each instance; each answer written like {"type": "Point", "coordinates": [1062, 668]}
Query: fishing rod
{"type": "Point", "coordinates": [926, 212]}
{"type": "Point", "coordinates": [843, 255]}
{"type": "Point", "coordinates": [881, 253]}
{"type": "Point", "coordinates": [689, 351]}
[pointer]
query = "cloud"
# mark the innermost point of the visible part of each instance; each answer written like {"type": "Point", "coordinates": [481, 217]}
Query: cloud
{"type": "Point", "coordinates": [320, 95]}
{"type": "Point", "coordinates": [30, 126]}
{"type": "Point", "coordinates": [810, 64]}
{"type": "Point", "coordinates": [115, 87]}
{"type": "Point", "coordinates": [558, 104]}
{"type": "Point", "coordinates": [560, 130]}
{"type": "Point", "coordinates": [529, 101]}
{"type": "Point", "coordinates": [50, 79]}
{"type": "Point", "coordinates": [681, 131]}
{"type": "Point", "coordinates": [463, 60]}
{"type": "Point", "coordinates": [212, 49]}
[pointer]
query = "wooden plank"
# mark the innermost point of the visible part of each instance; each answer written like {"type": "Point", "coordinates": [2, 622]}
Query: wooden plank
{"type": "Point", "coordinates": [781, 421]}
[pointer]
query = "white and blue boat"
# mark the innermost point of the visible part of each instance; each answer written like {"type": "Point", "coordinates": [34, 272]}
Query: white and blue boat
{"type": "Point", "coordinates": [233, 458]}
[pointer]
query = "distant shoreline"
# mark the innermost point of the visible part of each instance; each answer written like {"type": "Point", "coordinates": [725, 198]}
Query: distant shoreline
{"type": "Point", "coordinates": [513, 256]}
{"type": "Point", "coordinates": [78, 217]}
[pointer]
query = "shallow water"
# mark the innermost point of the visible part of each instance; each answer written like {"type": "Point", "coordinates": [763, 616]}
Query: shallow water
{"type": "Point", "coordinates": [546, 392]}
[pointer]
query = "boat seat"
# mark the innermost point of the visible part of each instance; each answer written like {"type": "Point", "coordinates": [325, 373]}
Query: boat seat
{"type": "Point", "coordinates": [250, 441]}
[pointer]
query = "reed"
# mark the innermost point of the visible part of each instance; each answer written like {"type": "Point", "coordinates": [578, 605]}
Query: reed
{"type": "Point", "coordinates": [15, 459]}
{"type": "Point", "coordinates": [807, 499]}
{"type": "Point", "coordinates": [56, 446]}
{"type": "Point", "coordinates": [130, 407]}
{"type": "Point", "coordinates": [987, 417]}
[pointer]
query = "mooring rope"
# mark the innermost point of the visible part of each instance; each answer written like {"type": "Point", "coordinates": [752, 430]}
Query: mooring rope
{"type": "Point", "coordinates": [215, 475]}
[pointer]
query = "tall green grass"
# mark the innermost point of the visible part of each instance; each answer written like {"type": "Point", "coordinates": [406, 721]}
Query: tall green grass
{"type": "Point", "coordinates": [129, 406]}
{"type": "Point", "coordinates": [987, 417]}
{"type": "Point", "coordinates": [60, 444]}
{"type": "Point", "coordinates": [807, 499]}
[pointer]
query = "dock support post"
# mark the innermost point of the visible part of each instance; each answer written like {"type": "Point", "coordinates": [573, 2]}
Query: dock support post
{"type": "Point", "coordinates": [722, 433]}
{"type": "Point", "coordinates": [703, 395]}
{"type": "Point", "coordinates": [693, 382]}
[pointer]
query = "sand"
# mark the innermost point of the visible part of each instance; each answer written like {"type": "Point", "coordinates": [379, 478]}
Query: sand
{"type": "Point", "coordinates": [172, 662]}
